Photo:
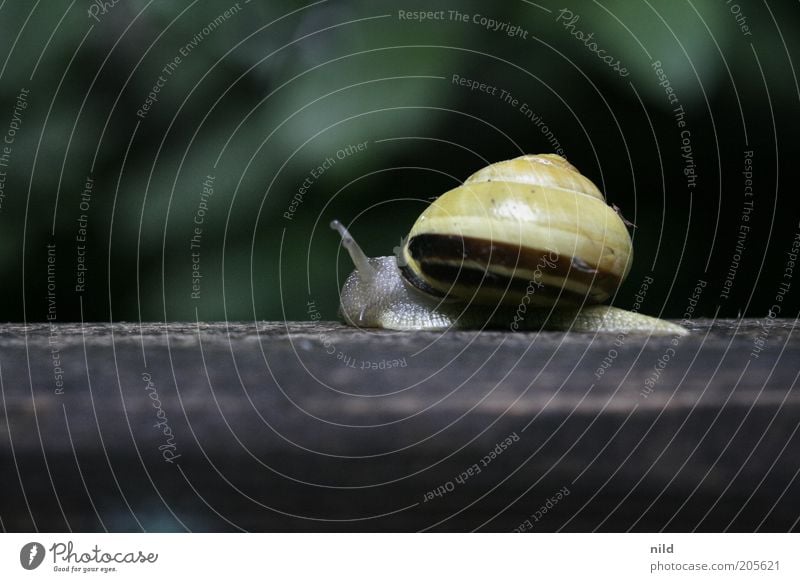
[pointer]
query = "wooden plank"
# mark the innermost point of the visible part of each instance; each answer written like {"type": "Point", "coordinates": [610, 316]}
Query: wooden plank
{"type": "Point", "coordinates": [319, 427]}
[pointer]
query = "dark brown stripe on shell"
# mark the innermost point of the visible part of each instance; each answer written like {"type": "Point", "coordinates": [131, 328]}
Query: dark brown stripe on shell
{"type": "Point", "coordinates": [432, 250]}
{"type": "Point", "coordinates": [419, 282]}
{"type": "Point", "coordinates": [471, 277]}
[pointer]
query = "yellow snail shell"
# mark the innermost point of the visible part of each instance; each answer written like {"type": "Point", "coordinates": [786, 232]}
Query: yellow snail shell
{"type": "Point", "coordinates": [531, 231]}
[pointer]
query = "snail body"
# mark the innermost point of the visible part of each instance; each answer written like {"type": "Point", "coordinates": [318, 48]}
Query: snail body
{"type": "Point", "coordinates": [527, 243]}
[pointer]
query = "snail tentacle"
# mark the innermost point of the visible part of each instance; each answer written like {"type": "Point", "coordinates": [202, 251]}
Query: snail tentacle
{"type": "Point", "coordinates": [360, 260]}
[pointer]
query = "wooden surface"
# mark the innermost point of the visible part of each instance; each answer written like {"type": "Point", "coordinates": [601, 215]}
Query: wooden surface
{"type": "Point", "coordinates": [276, 427]}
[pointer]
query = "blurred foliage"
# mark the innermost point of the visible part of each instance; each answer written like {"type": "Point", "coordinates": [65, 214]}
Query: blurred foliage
{"type": "Point", "coordinates": [266, 95]}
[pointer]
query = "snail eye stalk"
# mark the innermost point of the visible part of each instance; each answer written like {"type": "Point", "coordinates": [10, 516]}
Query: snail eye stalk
{"type": "Point", "coordinates": [360, 260]}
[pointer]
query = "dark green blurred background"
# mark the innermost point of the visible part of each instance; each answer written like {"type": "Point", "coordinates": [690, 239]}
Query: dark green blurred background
{"type": "Point", "coordinates": [266, 92]}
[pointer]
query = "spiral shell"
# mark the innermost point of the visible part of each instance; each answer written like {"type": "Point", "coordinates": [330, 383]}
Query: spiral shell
{"type": "Point", "coordinates": [533, 227]}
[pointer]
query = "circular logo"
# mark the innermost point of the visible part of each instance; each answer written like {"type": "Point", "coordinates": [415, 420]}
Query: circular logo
{"type": "Point", "coordinates": [31, 555]}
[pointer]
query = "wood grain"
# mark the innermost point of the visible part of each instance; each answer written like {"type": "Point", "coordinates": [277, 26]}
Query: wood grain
{"type": "Point", "coordinates": [319, 427]}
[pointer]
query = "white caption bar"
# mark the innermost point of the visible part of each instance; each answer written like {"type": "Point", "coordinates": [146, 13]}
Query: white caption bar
{"type": "Point", "coordinates": [400, 557]}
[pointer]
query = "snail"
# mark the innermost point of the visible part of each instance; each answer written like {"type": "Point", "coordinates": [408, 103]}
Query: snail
{"type": "Point", "coordinates": [523, 244]}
